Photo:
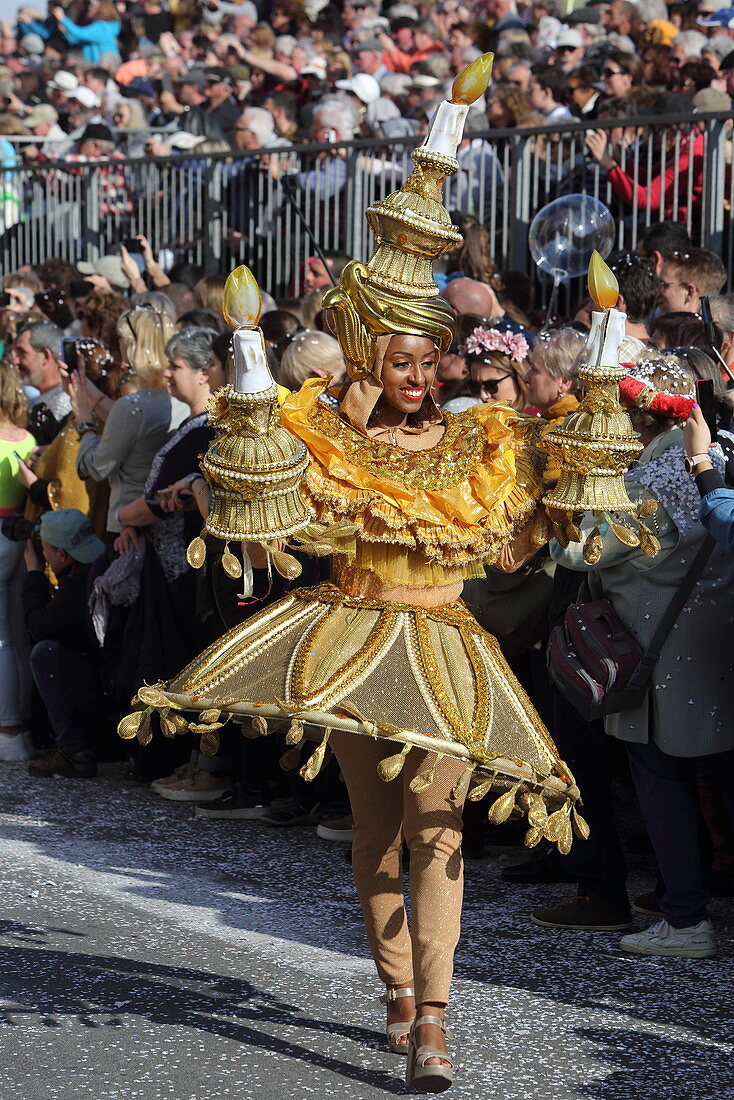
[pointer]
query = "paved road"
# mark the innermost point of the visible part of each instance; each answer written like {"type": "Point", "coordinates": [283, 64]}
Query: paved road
{"type": "Point", "coordinates": [147, 953]}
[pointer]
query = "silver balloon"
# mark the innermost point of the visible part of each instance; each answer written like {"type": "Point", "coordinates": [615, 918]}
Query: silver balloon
{"type": "Point", "coordinates": [564, 233]}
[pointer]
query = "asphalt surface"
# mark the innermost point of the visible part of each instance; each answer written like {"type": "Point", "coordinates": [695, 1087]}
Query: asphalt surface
{"type": "Point", "coordinates": [148, 953]}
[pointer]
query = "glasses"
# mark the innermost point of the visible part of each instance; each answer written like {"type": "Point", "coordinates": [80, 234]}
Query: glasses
{"type": "Point", "coordinates": [609, 73]}
{"type": "Point", "coordinates": [491, 386]}
{"type": "Point", "coordinates": [566, 49]}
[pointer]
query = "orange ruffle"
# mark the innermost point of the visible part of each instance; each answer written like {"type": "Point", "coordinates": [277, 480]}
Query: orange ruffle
{"type": "Point", "coordinates": [451, 526]}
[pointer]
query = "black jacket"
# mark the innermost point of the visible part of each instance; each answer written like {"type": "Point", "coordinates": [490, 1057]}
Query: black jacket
{"type": "Point", "coordinates": [58, 614]}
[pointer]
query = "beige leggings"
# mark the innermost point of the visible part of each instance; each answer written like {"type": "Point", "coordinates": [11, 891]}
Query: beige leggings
{"type": "Point", "coordinates": [430, 823]}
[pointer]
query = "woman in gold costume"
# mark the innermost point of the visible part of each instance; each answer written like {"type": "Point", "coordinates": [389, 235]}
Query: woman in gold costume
{"type": "Point", "coordinates": [384, 662]}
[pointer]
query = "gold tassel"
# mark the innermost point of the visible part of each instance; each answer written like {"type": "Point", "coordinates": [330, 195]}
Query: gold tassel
{"type": "Point", "coordinates": [554, 826]}
{"type": "Point", "coordinates": [565, 840]}
{"type": "Point", "coordinates": [502, 807]}
{"type": "Point", "coordinates": [574, 532]}
{"type": "Point", "coordinates": [209, 743]}
{"type": "Point", "coordinates": [481, 789]}
{"type": "Point", "coordinates": [593, 547]}
{"type": "Point", "coordinates": [204, 727]}
{"type": "Point", "coordinates": [231, 566]}
{"type": "Point", "coordinates": [290, 759]}
{"type": "Point", "coordinates": [312, 767]}
{"type": "Point", "coordinates": [423, 780]}
{"type": "Point", "coordinates": [538, 813]}
{"type": "Point", "coordinates": [391, 767]}
{"type": "Point", "coordinates": [647, 508]}
{"type": "Point", "coordinates": [168, 729]}
{"type": "Point", "coordinates": [294, 735]}
{"type": "Point", "coordinates": [145, 730]}
{"type": "Point", "coordinates": [625, 534]}
{"type": "Point", "coordinates": [580, 825]}
{"type": "Point", "coordinates": [208, 716]}
{"type": "Point", "coordinates": [532, 837]}
{"type": "Point", "coordinates": [649, 544]}
{"type": "Point", "coordinates": [196, 552]}
{"type": "Point", "coordinates": [459, 791]}
{"type": "Point", "coordinates": [286, 564]}
{"type": "Point", "coordinates": [128, 727]}
{"type": "Point", "coordinates": [260, 726]}
{"type": "Point", "coordinates": [152, 697]}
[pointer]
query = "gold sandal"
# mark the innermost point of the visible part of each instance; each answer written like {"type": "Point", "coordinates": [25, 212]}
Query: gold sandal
{"type": "Point", "coordinates": [397, 1031]}
{"type": "Point", "coordinates": [425, 1078]}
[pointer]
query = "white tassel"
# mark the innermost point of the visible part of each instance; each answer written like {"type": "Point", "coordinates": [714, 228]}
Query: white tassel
{"type": "Point", "coordinates": [247, 576]}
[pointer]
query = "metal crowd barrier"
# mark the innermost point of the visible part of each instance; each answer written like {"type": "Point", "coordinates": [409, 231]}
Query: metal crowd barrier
{"type": "Point", "coordinates": [224, 209]}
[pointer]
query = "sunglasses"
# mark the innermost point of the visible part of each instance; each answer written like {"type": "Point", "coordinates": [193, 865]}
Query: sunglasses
{"type": "Point", "coordinates": [491, 386]}
{"type": "Point", "coordinates": [609, 73]}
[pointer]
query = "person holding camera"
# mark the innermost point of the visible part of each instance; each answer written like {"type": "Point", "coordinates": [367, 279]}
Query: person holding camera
{"type": "Point", "coordinates": [16, 442]}
{"type": "Point", "coordinates": [38, 352]}
{"type": "Point", "coordinates": [63, 648]}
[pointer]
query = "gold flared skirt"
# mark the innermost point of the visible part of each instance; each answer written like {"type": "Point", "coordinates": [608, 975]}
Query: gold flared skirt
{"type": "Point", "coordinates": [429, 677]}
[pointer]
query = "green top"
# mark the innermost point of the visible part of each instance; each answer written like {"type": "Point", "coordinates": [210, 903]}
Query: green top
{"type": "Point", "coordinates": [11, 490]}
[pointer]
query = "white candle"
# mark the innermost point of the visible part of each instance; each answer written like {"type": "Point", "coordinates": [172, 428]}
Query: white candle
{"type": "Point", "coordinates": [605, 338]}
{"type": "Point", "coordinates": [251, 371]}
{"type": "Point", "coordinates": [447, 128]}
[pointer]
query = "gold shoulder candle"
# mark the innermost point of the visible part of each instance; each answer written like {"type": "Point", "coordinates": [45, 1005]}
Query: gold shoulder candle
{"type": "Point", "coordinates": [447, 128]}
{"type": "Point", "coordinates": [596, 445]}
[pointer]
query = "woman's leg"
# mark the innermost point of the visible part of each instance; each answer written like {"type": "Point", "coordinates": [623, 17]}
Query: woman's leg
{"type": "Point", "coordinates": [432, 829]}
{"type": "Point", "coordinates": [377, 808]}
{"type": "Point", "coordinates": [12, 630]}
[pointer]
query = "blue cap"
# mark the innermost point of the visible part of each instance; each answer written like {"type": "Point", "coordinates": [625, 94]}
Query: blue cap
{"type": "Point", "coordinates": [722, 18]}
{"type": "Point", "coordinates": [69, 529]}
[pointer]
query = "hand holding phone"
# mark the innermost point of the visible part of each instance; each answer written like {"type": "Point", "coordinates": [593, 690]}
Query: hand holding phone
{"type": "Point", "coordinates": [707, 403]}
{"type": "Point", "coordinates": [70, 355]}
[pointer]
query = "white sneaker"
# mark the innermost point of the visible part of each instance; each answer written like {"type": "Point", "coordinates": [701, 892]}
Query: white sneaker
{"type": "Point", "coordinates": [15, 747]}
{"type": "Point", "coordinates": [696, 942]}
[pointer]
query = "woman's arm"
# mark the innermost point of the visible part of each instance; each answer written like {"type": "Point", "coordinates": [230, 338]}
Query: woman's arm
{"type": "Point", "coordinates": [100, 456]}
{"type": "Point", "coordinates": [136, 514]}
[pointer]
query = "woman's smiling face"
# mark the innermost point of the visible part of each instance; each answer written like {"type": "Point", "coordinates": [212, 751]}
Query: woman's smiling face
{"type": "Point", "coordinates": [408, 372]}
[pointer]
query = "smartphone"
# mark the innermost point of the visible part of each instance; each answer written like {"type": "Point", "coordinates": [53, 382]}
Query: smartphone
{"type": "Point", "coordinates": [707, 403]}
{"type": "Point", "coordinates": [79, 288]}
{"type": "Point", "coordinates": [70, 355]}
{"type": "Point", "coordinates": [708, 322]}
{"type": "Point", "coordinates": [4, 300]}
{"type": "Point", "coordinates": [132, 244]}
{"type": "Point", "coordinates": [21, 460]}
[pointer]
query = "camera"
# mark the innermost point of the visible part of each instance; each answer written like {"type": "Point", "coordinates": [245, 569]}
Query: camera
{"type": "Point", "coordinates": [20, 529]}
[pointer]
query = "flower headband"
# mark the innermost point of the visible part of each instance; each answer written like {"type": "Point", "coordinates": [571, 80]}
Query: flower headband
{"type": "Point", "coordinates": [511, 344]}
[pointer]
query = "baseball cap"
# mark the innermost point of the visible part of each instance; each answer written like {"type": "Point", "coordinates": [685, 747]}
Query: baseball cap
{"type": "Point", "coordinates": [315, 67]}
{"type": "Point", "coordinates": [660, 32]}
{"type": "Point", "coordinates": [109, 267]}
{"type": "Point", "coordinates": [63, 82]}
{"type": "Point", "coordinates": [85, 96]}
{"type": "Point", "coordinates": [96, 131]}
{"type": "Point", "coordinates": [423, 80]}
{"type": "Point", "coordinates": [571, 38]}
{"type": "Point", "coordinates": [218, 73]}
{"type": "Point", "coordinates": [44, 112]}
{"type": "Point", "coordinates": [32, 43]}
{"type": "Point", "coordinates": [363, 86]}
{"type": "Point", "coordinates": [722, 18]}
{"type": "Point", "coordinates": [403, 22]}
{"type": "Point", "coordinates": [69, 529]}
{"type": "Point", "coordinates": [583, 15]}
{"type": "Point", "coordinates": [182, 139]}
{"type": "Point", "coordinates": [711, 99]}
{"type": "Point", "coordinates": [138, 86]}
{"type": "Point", "coordinates": [195, 77]}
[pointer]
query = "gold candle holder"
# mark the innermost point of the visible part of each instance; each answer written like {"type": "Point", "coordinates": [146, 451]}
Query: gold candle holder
{"type": "Point", "coordinates": [596, 444]}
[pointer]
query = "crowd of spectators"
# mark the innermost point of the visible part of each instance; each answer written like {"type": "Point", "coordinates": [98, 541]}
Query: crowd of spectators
{"type": "Point", "coordinates": [96, 81]}
{"type": "Point", "coordinates": [108, 367]}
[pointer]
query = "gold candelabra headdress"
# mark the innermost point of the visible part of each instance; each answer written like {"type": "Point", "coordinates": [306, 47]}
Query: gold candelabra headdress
{"type": "Point", "coordinates": [596, 444]}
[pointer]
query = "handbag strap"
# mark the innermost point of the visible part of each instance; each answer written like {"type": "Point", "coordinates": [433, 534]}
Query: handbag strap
{"type": "Point", "coordinates": [650, 657]}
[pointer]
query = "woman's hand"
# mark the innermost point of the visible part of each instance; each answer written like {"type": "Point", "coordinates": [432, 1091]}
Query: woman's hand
{"type": "Point", "coordinates": [57, 12]}
{"type": "Point", "coordinates": [132, 271]}
{"type": "Point", "coordinates": [176, 497]}
{"type": "Point", "coordinates": [126, 540]}
{"type": "Point", "coordinates": [596, 143]}
{"type": "Point", "coordinates": [82, 401]}
{"type": "Point", "coordinates": [25, 474]}
{"type": "Point", "coordinates": [696, 434]}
